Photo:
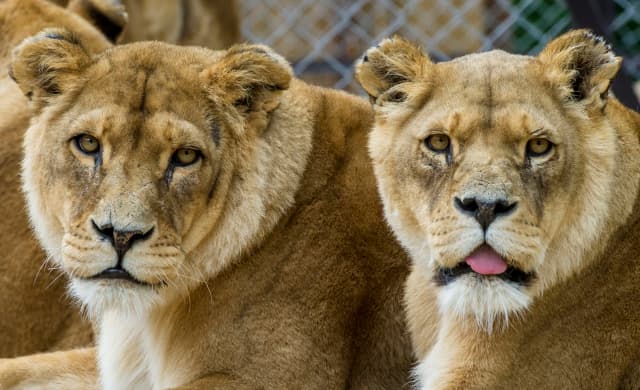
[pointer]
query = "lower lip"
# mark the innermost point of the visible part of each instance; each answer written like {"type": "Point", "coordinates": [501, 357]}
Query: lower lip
{"type": "Point", "coordinates": [121, 274]}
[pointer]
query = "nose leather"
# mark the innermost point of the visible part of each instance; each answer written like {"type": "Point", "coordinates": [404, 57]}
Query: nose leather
{"type": "Point", "coordinates": [485, 212]}
{"type": "Point", "coordinates": [122, 240]}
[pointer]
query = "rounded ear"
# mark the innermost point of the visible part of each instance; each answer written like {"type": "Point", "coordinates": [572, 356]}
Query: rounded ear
{"type": "Point", "coordinates": [249, 78]}
{"type": "Point", "coordinates": [581, 66]}
{"type": "Point", "coordinates": [108, 16]}
{"type": "Point", "coordinates": [47, 64]}
{"type": "Point", "coordinates": [394, 61]}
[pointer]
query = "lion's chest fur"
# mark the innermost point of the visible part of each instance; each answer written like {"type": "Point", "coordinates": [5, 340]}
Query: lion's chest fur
{"type": "Point", "coordinates": [582, 333]}
{"type": "Point", "coordinates": [131, 354]}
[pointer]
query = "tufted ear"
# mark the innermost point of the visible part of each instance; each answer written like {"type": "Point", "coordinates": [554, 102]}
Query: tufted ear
{"type": "Point", "coordinates": [47, 64]}
{"type": "Point", "coordinates": [249, 78]}
{"type": "Point", "coordinates": [108, 16]}
{"type": "Point", "coordinates": [394, 61]}
{"type": "Point", "coordinates": [581, 66]}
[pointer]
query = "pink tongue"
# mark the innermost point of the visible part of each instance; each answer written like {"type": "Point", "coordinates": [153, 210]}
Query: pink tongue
{"type": "Point", "coordinates": [486, 261]}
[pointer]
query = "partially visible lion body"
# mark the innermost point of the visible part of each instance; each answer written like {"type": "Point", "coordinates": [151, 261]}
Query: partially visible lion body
{"type": "Point", "coordinates": [570, 230]}
{"type": "Point", "coordinates": [36, 315]}
{"type": "Point", "coordinates": [285, 275]}
{"type": "Point", "coordinates": [214, 24]}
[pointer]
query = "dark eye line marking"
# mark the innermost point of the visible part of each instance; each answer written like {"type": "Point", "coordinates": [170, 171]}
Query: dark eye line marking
{"type": "Point", "coordinates": [213, 186]}
{"type": "Point", "coordinates": [98, 162]}
{"type": "Point", "coordinates": [143, 96]}
{"type": "Point", "coordinates": [168, 175]}
{"type": "Point", "coordinates": [215, 132]}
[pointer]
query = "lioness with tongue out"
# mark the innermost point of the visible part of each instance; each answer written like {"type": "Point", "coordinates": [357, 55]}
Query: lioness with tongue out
{"type": "Point", "coordinates": [513, 183]}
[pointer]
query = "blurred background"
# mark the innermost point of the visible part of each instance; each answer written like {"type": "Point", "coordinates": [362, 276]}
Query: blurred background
{"type": "Point", "coordinates": [323, 38]}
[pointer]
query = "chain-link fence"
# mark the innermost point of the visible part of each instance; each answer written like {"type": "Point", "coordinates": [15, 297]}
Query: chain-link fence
{"type": "Point", "coordinates": [323, 38]}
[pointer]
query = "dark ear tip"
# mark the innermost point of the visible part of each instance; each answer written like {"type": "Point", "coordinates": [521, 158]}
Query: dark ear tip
{"type": "Point", "coordinates": [598, 40]}
{"type": "Point", "coordinates": [588, 34]}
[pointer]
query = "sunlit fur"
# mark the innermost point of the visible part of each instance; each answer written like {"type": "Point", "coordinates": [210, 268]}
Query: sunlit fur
{"type": "Point", "coordinates": [570, 202]}
{"type": "Point", "coordinates": [264, 264]}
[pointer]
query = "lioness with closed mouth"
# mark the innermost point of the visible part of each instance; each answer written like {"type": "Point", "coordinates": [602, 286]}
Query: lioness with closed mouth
{"type": "Point", "coordinates": [218, 221]}
{"type": "Point", "coordinates": [35, 314]}
{"type": "Point", "coordinates": [513, 183]}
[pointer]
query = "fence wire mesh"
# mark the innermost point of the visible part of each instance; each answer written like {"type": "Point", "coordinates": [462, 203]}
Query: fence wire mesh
{"type": "Point", "coordinates": [323, 38]}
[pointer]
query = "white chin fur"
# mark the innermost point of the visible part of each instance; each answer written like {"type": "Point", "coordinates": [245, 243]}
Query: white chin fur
{"type": "Point", "coordinates": [97, 297]}
{"type": "Point", "coordinates": [489, 301]}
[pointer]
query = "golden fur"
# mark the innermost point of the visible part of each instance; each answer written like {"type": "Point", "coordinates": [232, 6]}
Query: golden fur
{"type": "Point", "coordinates": [266, 263]}
{"type": "Point", "coordinates": [572, 221]}
{"type": "Point", "coordinates": [34, 314]}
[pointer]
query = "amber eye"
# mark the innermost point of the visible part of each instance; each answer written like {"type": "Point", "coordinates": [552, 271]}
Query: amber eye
{"type": "Point", "coordinates": [438, 142]}
{"type": "Point", "coordinates": [87, 144]}
{"type": "Point", "coordinates": [185, 156]}
{"type": "Point", "coordinates": [538, 147]}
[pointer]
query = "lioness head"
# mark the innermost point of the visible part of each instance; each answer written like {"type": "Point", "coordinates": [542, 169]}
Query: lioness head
{"type": "Point", "coordinates": [149, 167]}
{"type": "Point", "coordinates": [495, 169]}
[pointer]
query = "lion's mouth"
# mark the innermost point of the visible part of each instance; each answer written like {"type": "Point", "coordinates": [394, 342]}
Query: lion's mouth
{"type": "Point", "coordinates": [119, 273]}
{"type": "Point", "coordinates": [484, 262]}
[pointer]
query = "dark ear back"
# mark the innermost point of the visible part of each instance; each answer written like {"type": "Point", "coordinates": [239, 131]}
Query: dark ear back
{"type": "Point", "coordinates": [249, 78]}
{"type": "Point", "coordinates": [581, 66]}
{"type": "Point", "coordinates": [394, 61]}
{"type": "Point", "coordinates": [108, 16]}
{"type": "Point", "coordinates": [48, 63]}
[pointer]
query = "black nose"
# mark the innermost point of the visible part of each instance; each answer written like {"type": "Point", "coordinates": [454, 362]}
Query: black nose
{"type": "Point", "coordinates": [485, 211]}
{"type": "Point", "coordinates": [121, 240]}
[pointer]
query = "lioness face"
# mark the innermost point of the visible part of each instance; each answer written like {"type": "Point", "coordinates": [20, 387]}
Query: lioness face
{"type": "Point", "coordinates": [130, 164]}
{"type": "Point", "coordinates": [487, 177]}
{"type": "Point", "coordinates": [127, 178]}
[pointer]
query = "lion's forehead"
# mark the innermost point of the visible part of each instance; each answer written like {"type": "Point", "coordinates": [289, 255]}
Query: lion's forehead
{"type": "Point", "coordinates": [142, 106]}
{"type": "Point", "coordinates": [144, 90]}
{"type": "Point", "coordinates": [146, 81]}
{"type": "Point", "coordinates": [122, 132]}
{"type": "Point", "coordinates": [470, 120]}
{"type": "Point", "coordinates": [495, 94]}
{"type": "Point", "coordinates": [494, 78]}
